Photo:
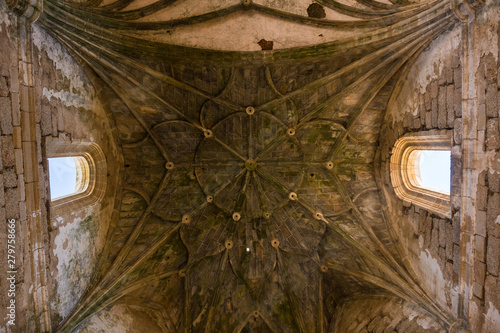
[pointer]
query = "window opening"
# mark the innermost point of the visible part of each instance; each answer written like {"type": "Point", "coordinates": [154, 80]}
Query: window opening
{"type": "Point", "coordinates": [420, 170]}
{"type": "Point", "coordinates": [68, 176]}
{"type": "Point", "coordinates": [431, 169]}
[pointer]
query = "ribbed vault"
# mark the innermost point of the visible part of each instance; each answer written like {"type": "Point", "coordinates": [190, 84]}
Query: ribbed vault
{"type": "Point", "coordinates": [249, 195]}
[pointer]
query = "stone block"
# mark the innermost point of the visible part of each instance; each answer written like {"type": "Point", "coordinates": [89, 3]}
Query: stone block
{"type": "Point", "coordinates": [12, 203]}
{"type": "Point", "coordinates": [373, 323]}
{"type": "Point", "coordinates": [492, 215]}
{"type": "Point", "coordinates": [416, 123]}
{"type": "Point", "coordinates": [492, 134]}
{"type": "Point", "coordinates": [16, 109]}
{"type": "Point", "coordinates": [457, 102]}
{"type": "Point", "coordinates": [2, 194]}
{"type": "Point", "coordinates": [456, 228]}
{"type": "Point", "coordinates": [14, 79]}
{"type": "Point", "coordinates": [434, 113]}
{"type": "Point", "coordinates": [22, 210]}
{"type": "Point", "coordinates": [450, 92]}
{"type": "Point", "coordinates": [491, 100]}
{"type": "Point", "coordinates": [7, 148]}
{"type": "Point", "coordinates": [481, 117]}
{"type": "Point", "coordinates": [428, 231]}
{"type": "Point", "coordinates": [442, 233]}
{"type": "Point", "coordinates": [449, 241]}
{"type": "Point", "coordinates": [479, 272]}
{"type": "Point", "coordinates": [492, 290]}
{"type": "Point", "coordinates": [24, 98]}
{"type": "Point", "coordinates": [427, 101]}
{"type": "Point", "coordinates": [490, 68]}
{"type": "Point", "coordinates": [9, 178]}
{"type": "Point", "coordinates": [492, 255]}
{"type": "Point", "coordinates": [21, 187]}
{"type": "Point", "coordinates": [442, 111]}
{"type": "Point", "coordinates": [448, 272]}
{"type": "Point", "coordinates": [457, 131]}
{"type": "Point", "coordinates": [456, 259]}
{"type": "Point", "coordinates": [481, 197]}
{"type": "Point", "coordinates": [479, 245]}
{"type": "Point", "coordinates": [16, 137]}
{"type": "Point", "coordinates": [433, 89]}
{"type": "Point", "coordinates": [481, 179]}
{"type": "Point", "coordinates": [428, 120]}
{"type": "Point", "coordinates": [4, 86]}
{"type": "Point", "coordinates": [494, 181]}
{"type": "Point", "coordinates": [477, 290]}
{"type": "Point", "coordinates": [481, 223]}
{"type": "Point", "coordinates": [5, 116]}
{"type": "Point", "coordinates": [18, 153]}
{"type": "Point", "coordinates": [46, 118]}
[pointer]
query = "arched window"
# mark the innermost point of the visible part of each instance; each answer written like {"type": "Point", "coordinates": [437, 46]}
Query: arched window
{"type": "Point", "coordinates": [77, 174]}
{"type": "Point", "coordinates": [68, 176]}
{"type": "Point", "coordinates": [420, 170]}
{"type": "Point", "coordinates": [430, 169]}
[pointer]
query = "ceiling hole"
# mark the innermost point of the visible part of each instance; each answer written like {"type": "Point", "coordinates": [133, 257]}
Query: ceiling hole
{"type": "Point", "coordinates": [316, 11]}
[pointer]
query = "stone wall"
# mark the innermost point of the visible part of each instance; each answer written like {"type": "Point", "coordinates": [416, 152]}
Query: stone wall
{"type": "Point", "coordinates": [430, 100]}
{"type": "Point", "coordinates": [12, 173]}
{"type": "Point", "coordinates": [485, 307]}
{"type": "Point", "coordinates": [71, 111]}
{"type": "Point", "coordinates": [48, 95]}
{"type": "Point", "coordinates": [384, 314]}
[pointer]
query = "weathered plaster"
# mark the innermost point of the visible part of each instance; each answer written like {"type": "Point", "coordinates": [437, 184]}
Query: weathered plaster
{"type": "Point", "coordinates": [487, 30]}
{"type": "Point", "coordinates": [492, 319]}
{"type": "Point", "coordinates": [77, 246]}
{"type": "Point", "coordinates": [428, 67]}
{"type": "Point", "coordinates": [123, 318]}
{"type": "Point", "coordinates": [243, 30]}
{"type": "Point", "coordinates": [4, 16]}
{"type": "Point", "coordinates": [62, 61]}
{"type": "Point", "coordinates": [431, 273]}
{"type": "Point", "coordinates": [68, 98]}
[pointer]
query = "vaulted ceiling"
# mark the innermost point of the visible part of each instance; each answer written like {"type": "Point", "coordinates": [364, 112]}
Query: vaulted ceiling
{"type": "Point", "coordinates": [249, 132]}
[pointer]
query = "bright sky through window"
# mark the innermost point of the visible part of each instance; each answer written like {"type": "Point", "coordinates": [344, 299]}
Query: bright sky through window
{"type": "Point", "coordinates": [62, 174]}
{"type": "Point", "coordinates": [434, 170]}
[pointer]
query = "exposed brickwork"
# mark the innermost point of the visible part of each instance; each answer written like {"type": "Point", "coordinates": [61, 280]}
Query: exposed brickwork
{"type": "Point", "coordinates": [383, 314]}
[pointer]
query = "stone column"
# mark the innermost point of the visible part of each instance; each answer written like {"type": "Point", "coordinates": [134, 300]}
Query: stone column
{"type": "Point", "coordinates": [466, 10]}
{"type": "Point", "coordinates": [27, 141]}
